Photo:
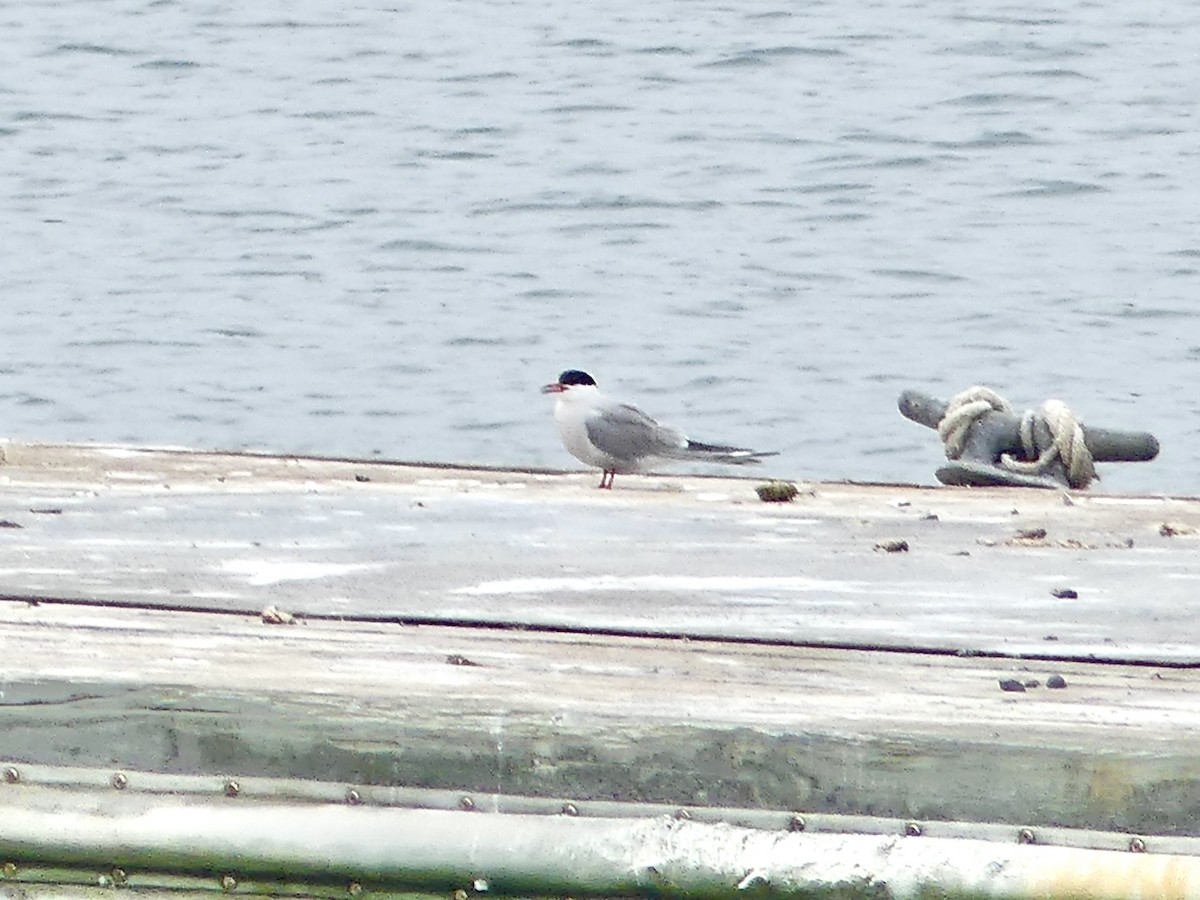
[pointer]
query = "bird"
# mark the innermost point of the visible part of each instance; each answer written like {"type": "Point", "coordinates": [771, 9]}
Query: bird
{"type": "Point", "coordinates": [619, 438]}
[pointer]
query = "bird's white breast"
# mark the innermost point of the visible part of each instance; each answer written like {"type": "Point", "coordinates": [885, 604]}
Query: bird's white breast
{"type": "Point", "coordinates": [571, 413]}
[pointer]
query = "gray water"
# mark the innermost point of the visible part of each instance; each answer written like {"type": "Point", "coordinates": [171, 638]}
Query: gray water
{"type": "Point", "coordinates": [377, 229]}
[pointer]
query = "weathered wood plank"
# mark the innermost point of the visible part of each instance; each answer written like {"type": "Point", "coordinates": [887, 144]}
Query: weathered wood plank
{"type": "Point", "coordinates": [660, 556]}
{"type": "Point", "coordinates": [666, 721]}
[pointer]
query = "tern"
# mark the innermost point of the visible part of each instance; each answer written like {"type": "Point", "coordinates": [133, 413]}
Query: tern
{"type": "Point", "coordinates": [618, 438]}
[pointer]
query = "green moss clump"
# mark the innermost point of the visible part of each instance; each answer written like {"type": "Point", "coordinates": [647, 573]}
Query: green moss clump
{"type": "Point", "coordinates": [777, 492]}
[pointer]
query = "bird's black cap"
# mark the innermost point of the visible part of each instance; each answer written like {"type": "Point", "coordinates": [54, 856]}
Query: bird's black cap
{"type": "Point", "coordinates": [575, 376]}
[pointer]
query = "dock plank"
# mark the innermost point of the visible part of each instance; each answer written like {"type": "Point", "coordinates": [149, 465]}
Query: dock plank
{"type": "Point", "coordinates": [682, 722]}
{"type": "Point", "coordinates": [682, 556]}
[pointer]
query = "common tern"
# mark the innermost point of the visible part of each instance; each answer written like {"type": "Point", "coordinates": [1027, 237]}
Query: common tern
{"type": "Point", "coordinates": [619, 438]}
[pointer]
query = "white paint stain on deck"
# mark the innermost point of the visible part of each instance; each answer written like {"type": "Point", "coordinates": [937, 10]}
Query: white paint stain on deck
{"type": "Point", "coordinates": [259, 572]}
{"type": "Point", "coordinates": [635, 583]}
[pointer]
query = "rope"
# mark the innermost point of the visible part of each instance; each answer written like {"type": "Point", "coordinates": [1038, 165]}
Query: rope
{"type": "Point", "coordinates": [964, 408]}
{"type": "Point", "coordinates": [1066, 432]}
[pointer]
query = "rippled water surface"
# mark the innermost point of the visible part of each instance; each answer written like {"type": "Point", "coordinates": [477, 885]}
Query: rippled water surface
{"type": "Point", "coordinates": [378, 229]}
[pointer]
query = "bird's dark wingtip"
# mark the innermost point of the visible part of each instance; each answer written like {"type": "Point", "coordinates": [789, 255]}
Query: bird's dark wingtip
{"type": "Point", "coordinates": [731, 455]}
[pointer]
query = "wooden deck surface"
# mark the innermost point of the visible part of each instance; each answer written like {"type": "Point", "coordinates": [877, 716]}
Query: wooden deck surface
{"type": "Point", "coordinates": [673, 641]}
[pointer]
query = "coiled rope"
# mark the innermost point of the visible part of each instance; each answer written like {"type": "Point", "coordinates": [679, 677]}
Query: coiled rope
{"type": "Point", "coordinates": [1067, 433]}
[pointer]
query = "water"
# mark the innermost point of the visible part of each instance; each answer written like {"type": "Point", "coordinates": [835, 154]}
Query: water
{"type": "Point", "coordinates": [378, 229]}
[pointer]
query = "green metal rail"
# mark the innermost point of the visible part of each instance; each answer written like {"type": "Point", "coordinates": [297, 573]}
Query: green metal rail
{"type": "Point", "coordinates": [83, 832]}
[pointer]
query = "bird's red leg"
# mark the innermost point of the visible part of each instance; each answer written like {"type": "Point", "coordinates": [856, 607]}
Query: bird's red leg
{"type": "Point", "coordinates": [606, 479]}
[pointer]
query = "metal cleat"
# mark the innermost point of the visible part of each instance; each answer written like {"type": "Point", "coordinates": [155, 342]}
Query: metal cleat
{"type": "Point", "coordinates": [989, 444]}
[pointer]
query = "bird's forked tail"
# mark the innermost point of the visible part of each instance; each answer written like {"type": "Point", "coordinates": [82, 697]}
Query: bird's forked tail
{"type": "Point", "coordinates": [735, 456]}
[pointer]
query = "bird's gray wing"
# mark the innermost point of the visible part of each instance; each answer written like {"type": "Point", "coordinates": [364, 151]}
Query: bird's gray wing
{"type": "Point", "coordinates": [626, 433]}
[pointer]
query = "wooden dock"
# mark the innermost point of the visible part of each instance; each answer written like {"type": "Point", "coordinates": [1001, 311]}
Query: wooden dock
{"type": "Point", "coordinates": [864, 660]}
